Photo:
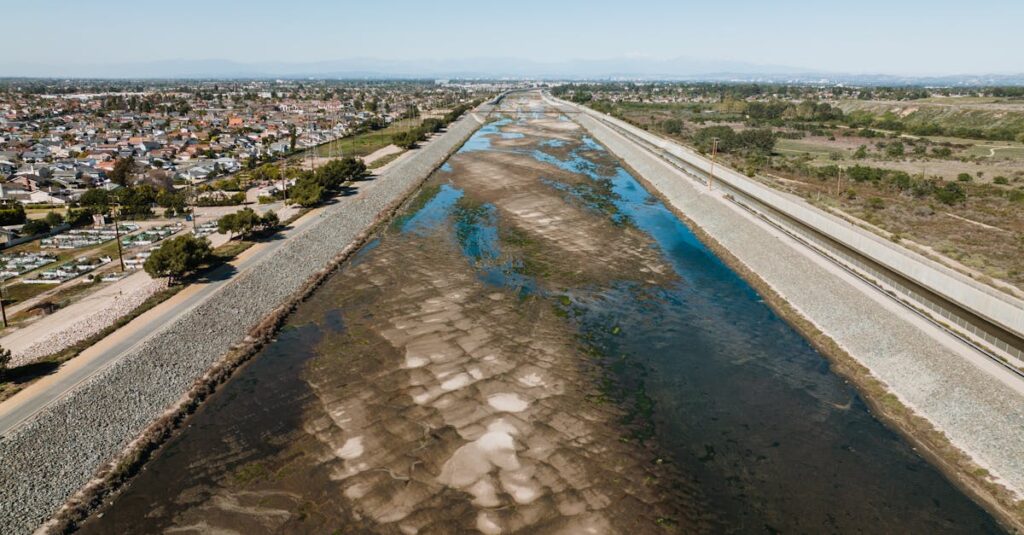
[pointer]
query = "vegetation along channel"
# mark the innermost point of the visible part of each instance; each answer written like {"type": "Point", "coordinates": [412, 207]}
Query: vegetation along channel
{"type": "Point", "coordinates": [537, 345]}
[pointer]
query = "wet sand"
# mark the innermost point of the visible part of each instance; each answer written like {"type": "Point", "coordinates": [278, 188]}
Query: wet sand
{"type": "Point", "coordinates": [534, 347]}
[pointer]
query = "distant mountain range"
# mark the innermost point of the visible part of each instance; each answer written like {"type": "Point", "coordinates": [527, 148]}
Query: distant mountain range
{"type": "Point", "coordinates": [490, 68]}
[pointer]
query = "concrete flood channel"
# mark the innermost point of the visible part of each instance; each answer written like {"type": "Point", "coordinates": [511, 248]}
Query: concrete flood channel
{"type": "Point", "coordinates": [536, 344]}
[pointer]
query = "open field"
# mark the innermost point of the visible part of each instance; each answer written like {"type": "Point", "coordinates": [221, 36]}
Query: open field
{"type": "Point", "coordinates": [365, 143]}
{"type": "Point", "coordinates": [980, 230]}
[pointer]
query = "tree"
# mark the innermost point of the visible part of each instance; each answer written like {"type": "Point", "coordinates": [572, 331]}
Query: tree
{"type": "Point", "coordinates": [245, 221]}
{"type": "Point", "coordinates": [306, 193]}
{"type": "Point", "coordinates": [123, 169]}
{"type": "Point", "coordinates": [895, 149]}
{"type": "Point", "coordinates": [270, 220]}
{"type": "Point", "coordinates": [172, 201]}
{"type": "Point", "coordinates": [336, 172]}
{"type": "Point", "coordinates": [672, 126]}
{"type": "Point", "coordinates": [98, 199]}
{"type": "Point", "coordinates": [405, 139]}
{"type": "Point", "coordinates": [54, 219]}
{"type": "Point", "coordinates": [35, 226]}
{"type": "Point", "coordinates": [267, 172]}
{"type": "Point", "coordinates": [5, 360]}
{"type": "Point", "coordinates": [12, 213]}
{"type": "Point", "coordinates": [704, 138]}
{"type": "Point", "coordinates": [179, 256]}
{"type": "Point", "coordinates": [760, 141]}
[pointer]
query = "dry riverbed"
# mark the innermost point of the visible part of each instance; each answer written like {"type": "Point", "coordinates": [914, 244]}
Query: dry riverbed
{"type": "Point", "coordinates": [480, 367]}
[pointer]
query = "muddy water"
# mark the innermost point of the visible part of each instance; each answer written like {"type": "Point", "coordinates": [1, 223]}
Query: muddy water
{"type": "Point", "coordinates": [537, 345]}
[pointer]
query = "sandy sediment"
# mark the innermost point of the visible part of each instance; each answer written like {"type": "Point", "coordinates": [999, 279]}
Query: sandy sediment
{"type": "Point", "coordinates": [447, 404]}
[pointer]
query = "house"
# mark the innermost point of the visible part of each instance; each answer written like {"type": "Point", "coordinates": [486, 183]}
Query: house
{"type": "Point", "coordinates": [12, 191]}
{"type": "Point", "coordinates": [197, 173]}
{"type": "Point", "coordinates": [47, 197]}
{"type": "Point", "coordinates": [229, 165]}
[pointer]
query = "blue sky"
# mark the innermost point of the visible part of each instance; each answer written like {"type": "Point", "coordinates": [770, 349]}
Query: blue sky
{"type": "Point", "coordinates": [893, 36]}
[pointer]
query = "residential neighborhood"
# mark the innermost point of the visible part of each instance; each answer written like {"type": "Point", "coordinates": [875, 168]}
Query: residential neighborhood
{"type": "Point", "coordinates": [57, 140]}
{"type": "Point", "coordinates": [95, 177]}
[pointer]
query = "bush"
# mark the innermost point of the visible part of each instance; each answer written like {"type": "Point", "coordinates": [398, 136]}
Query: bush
{"type": "Point", "coordinates": [964, 177]}
{"type": "Point", "coordinates": [54, 219]}
{"type": "Point", "coordinates": [672, 126]}
{"type": "Point", "coordinates": [5, 360]}
{"type": "Point", "coordinates": [895, 149]}
{"type": "Point", "coordinates": [405, 140]}
{"type": "Point", "coordinates": [234, 199]}
{"type": "Point", "coordinates": [35, 226]}
{"type": "Point", "coordinates": [951, 193]}
{"type": "Point", "coordinates": [1001, 180]}
{"type": "Point", "coordinates": [12, 213]}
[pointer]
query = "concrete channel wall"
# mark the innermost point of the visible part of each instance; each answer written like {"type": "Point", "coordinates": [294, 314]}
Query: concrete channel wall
{"type": "Point", "coordinates": [56, 453]}
{"type": "Point", "coordinates": [926, 370]}
{"type": "Point", "coordinates": [988, 303]}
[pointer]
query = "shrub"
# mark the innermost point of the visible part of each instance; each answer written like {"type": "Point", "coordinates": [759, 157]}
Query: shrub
{"type": "Point", "coordinates": [951, 193]}
{"type": "Point", "coordinates": [672, 126]}
{"type": "Point", "coordinates": [35, 226]}
{"type": "Point", "coordinates": [5, 360]}
{"type": "Point", "coordinates": [12, 213]}
{"type": "Point", "coordinates": [895, 149]}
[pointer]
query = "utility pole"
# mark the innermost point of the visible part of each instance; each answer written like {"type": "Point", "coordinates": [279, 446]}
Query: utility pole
{"type": "Point", "coordinates": [714, 153]}
{"type": "Point", "coordinates": [3, 308]}
{"type": "Point", "coordinates": [117, 236]}
{"type": "Point", "coordinates": [839, 182]}
{"type": "Point", "coordinates": [194, 200]}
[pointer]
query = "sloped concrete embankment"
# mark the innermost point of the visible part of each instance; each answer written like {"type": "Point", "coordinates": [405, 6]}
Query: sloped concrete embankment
{"type": "Point", "coordinates": [59, 452]}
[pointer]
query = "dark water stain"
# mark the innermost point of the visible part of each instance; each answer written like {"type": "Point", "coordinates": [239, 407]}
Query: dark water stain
{"type": "Point", "coordinates": [251, 418]}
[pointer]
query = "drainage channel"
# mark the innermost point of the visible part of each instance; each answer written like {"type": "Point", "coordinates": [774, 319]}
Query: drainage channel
{"type": "Point", "coordinates": [983, 336]}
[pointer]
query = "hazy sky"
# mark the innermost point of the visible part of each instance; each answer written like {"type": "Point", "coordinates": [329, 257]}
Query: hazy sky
{"type": "Point", "coordinates": [861, 36]}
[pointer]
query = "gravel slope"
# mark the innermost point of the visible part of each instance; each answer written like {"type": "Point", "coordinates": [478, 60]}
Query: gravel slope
{"type": "Point", "coordinates": [58, 452]}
